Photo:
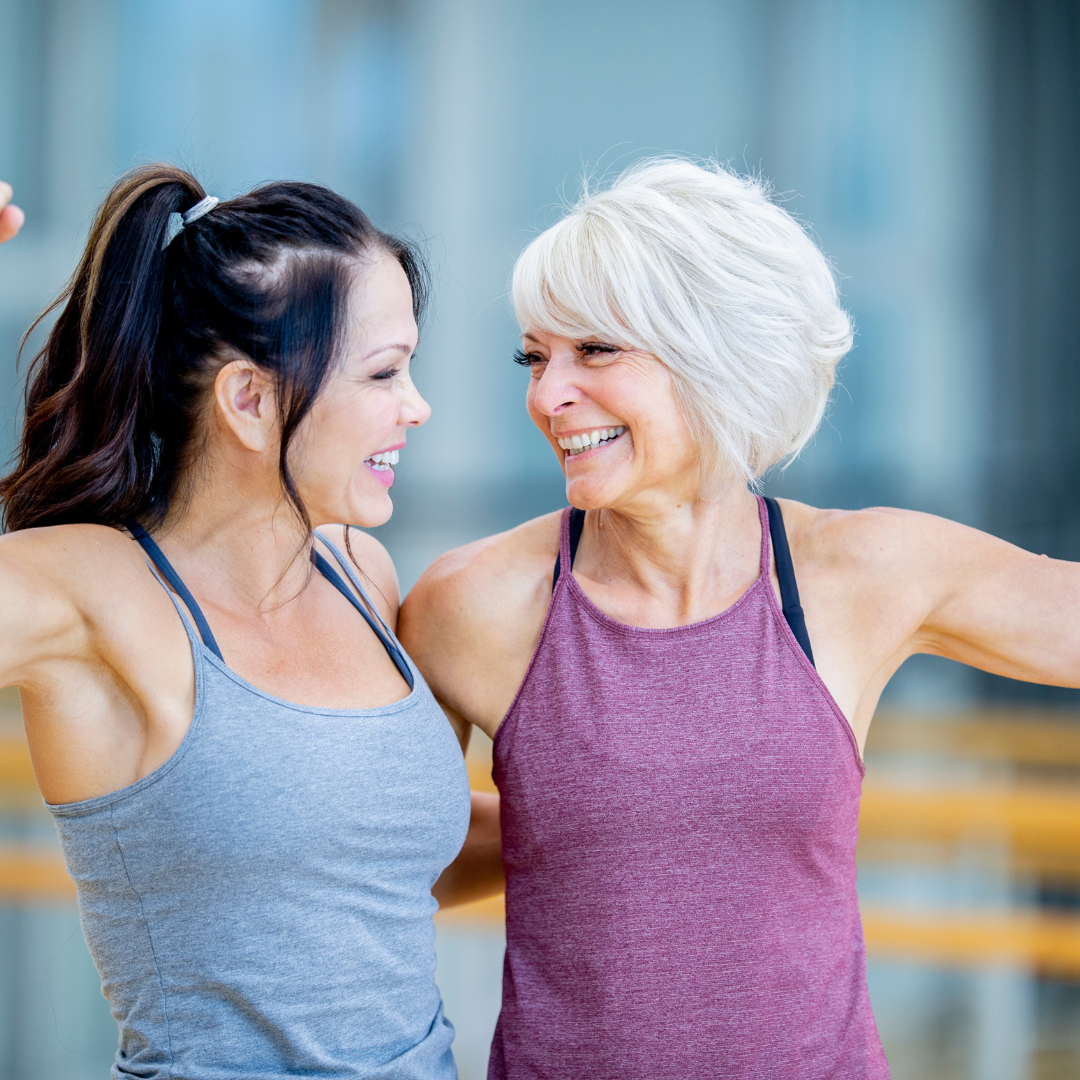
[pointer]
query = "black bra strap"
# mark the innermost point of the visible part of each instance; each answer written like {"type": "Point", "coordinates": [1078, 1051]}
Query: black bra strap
{"type": "Point", "coordinates": [577, 524]}
{"type": "Point", "coordinates": [335, 579]}
{"type": "Point", "coordinates": [165, 568]}
{"type": "Point", "coordinates": [789, 590]}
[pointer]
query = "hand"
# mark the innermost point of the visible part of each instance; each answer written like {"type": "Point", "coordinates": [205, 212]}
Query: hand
{"type": "Point", "coordinates": [11, 217]}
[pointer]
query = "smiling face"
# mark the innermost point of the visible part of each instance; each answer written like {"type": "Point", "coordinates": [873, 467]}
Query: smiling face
{"type": "Point", "coordinates": [343, 457]}
{"type": "Point", "coordinates": [610, 414]}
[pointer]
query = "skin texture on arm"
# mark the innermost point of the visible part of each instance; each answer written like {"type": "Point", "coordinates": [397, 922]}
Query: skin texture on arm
{"type": "Point", "coordinates": [473, 619]}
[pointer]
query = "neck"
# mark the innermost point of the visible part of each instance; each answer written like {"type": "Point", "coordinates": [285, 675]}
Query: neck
{"type": "Point", "coordinates": [683, 550]}
{"type": "Point", "coordinates": [240, 533]}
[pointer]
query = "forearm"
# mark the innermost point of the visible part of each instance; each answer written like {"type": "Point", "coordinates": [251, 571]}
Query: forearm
{"type": "Point", "coordinates": [477, 872]}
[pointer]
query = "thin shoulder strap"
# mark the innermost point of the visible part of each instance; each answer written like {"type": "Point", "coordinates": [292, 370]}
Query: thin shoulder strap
{"type": "Point", "coordinates": [335, 579]}
{"type": "Point", "coordinates": [165, 568]}
{"type": "Point", "coordinates": [577, 524]}
{"type": "Point", "coordinates": [789, 589]}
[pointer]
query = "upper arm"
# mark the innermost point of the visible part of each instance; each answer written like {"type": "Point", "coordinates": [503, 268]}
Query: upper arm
{"type": "Point", "coordinates": [38, 616]}
{"type": "Point", "coordinates": [472, 621]}
{"type": "Point", "coordinates": [916, 583]}
{"type": "Point", "coordinates": [1003, 609]}
{"type": "Point", "coordinates": [442, 626]}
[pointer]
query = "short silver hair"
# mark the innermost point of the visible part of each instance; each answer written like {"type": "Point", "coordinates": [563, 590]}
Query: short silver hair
{"type": "Point", "coordinates": [700, 268]}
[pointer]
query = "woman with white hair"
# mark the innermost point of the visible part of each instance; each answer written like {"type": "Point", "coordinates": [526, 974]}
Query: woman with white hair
{"type": "Point", "coordinates": [677, 748]}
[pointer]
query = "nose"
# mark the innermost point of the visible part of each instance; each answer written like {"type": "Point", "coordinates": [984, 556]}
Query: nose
{"type": "Point", "coordinates": [555, 390]}
{"type": "Point", "coordinates": [414, 409]}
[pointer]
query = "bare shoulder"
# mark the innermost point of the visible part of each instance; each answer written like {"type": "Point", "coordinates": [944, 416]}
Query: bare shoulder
{"type": "Point", "coordinates": [74, 559]}
{"type": "Point", "coordinates": [879, 537]}
{"type": "Point", "coordinates": [905, 558]}
{"type": "Point", "coordinates": [373, 564]}
{"type": "Point", "coordinates": [58, 587]}
{"type": "Point", "coordinates": [490, 578]}
{"type": "Point", "coordinates": [472, 620]}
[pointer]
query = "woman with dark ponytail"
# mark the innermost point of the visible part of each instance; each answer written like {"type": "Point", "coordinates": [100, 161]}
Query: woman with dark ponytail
{"type": "Point", "coordinates": [254, 788]}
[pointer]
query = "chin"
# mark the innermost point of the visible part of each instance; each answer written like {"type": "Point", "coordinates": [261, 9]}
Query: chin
{"type": "Point", "coordinates": [586, 495]}
{"type": "Point", "coordinates": [368, 513]}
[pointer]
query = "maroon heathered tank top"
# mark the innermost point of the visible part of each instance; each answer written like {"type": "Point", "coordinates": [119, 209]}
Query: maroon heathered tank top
{"type": "Point", "coordinates": [679, 815]}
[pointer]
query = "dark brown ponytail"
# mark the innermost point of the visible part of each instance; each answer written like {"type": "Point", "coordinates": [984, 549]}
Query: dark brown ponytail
{"type": "Point", "coordinates": [113, 398]}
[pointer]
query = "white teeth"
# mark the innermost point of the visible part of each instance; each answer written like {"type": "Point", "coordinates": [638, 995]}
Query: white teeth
{"type": "Point", "coordinates": [574, 444]}
{"type": "Point", "coordinates": [384, 460]}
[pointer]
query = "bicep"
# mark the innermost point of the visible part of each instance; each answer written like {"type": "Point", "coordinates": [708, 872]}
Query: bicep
{"type": "Point", "coordinates": [1005, 610]}
{"type": "Point", "coordinates": [37, 622]}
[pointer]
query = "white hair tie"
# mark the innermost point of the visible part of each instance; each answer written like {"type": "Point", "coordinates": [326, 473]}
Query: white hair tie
{"type": "Point", "coordinates": [177, 222]}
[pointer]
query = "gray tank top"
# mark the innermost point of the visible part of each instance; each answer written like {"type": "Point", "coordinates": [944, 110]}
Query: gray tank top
{"type": "Point", "coordinates": [260, 905]}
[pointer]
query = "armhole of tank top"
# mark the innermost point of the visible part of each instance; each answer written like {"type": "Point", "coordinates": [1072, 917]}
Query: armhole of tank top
{"type": "Point", "coordinates": [563, 559]}
{"type": "Point", "coordinates": [794, 644]}
{"type": "Point", "coordinates": [196, 646]}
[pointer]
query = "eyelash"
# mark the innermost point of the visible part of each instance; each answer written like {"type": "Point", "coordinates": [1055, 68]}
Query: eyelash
{"type": "Point", "coordinates": [590, 348]}
{"type": "Point", "coordinates": [389, 373]}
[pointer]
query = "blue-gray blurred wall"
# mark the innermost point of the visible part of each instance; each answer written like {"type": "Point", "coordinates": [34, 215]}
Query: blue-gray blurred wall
{"type": "Point", "coordinates": [931, 146]}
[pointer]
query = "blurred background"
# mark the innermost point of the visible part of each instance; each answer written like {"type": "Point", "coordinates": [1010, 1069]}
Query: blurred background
{"type": "Point", "coordinates": [934, 148]}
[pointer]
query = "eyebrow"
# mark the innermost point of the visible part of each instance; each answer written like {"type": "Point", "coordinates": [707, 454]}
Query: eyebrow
{"type": "Point", "coordinates": [396, 347]}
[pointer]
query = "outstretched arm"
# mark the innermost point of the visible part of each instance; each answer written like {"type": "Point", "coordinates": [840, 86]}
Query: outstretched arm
{"type": "Point", "coordinates": [1003, 609]}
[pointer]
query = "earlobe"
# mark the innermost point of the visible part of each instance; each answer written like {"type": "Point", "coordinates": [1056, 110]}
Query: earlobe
{"type": "Point", "coordinates": [244, 402]}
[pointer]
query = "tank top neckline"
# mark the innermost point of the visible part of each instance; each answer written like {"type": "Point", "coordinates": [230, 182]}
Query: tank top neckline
{"type": "Point", "coordinates": [295, 706]}
{"type": "Point", "coordinates": [567, 583]}
{"type": "Point", "coordinates": [200, 656]}
{"type": "Point", "coordinates": [209, 654]}
{"type": "Point", "coordinates": [630, 629]}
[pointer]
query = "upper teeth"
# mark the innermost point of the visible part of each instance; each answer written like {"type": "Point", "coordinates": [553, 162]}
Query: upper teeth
{"type": "Point", "coordinates": [575, 444]}
{"type": "Point", "coordinates": [390, 457]}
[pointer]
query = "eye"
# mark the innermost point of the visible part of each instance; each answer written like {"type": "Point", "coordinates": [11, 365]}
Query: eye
{"type": "Point", "coordinates": [387, 373]}
{"type": "Point", "coordinates": [527, 359]}
{"type": "Point", "coordinates": [597, 348]}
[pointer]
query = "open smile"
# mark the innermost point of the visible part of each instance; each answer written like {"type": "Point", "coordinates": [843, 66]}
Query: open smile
{"type": "Point", "coordinates": [382, 464]}
{"type": "Point", "coordinates": [589, 440]}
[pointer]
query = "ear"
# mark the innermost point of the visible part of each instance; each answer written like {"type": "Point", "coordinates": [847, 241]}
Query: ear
{"type": "Point", "coordinates": [246, 403]}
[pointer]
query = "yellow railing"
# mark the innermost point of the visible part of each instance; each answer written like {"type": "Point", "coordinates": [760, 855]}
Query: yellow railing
{"type": "Point", "coordinates": [1023, 824]}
